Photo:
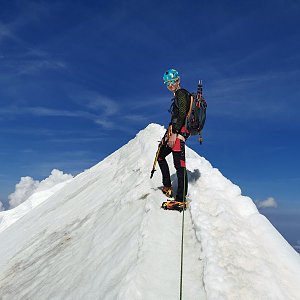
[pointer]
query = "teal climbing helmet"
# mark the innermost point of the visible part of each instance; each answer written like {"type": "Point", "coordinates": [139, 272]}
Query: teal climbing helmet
{"type": "Point", "coordinates": [170, 76]}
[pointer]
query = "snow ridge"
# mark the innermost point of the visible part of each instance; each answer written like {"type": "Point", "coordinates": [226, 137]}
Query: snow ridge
{"type": "Point", "coordinates": [104, 236]}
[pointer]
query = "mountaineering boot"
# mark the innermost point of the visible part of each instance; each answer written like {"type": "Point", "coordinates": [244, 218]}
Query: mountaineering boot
{"type": "Point", "coordinates": [174, 205]}
{"type": "Point", "coordinates": [167, 191]}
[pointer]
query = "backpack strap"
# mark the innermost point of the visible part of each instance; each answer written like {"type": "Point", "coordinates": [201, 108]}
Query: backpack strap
{"type": "Point", "coordinates": [191, 106]}
{"type": "Point", "coordinates": [190, 111]}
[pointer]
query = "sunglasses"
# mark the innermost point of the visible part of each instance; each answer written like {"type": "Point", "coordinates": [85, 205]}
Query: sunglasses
{"type": "Point", "coordinates": [170, 82]}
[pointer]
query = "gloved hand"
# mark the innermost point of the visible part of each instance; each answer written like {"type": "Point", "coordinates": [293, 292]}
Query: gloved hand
{"type": "Point", "coordinates": [172, 140]}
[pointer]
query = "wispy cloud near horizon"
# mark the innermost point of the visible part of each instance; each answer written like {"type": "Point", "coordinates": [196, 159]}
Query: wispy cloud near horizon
{"type": "Point", "coordinates": [267, 203]}
{"type": "Point", "coordinates": [5, 32]}
{"type": "Point", "coordinates": [40, 111]}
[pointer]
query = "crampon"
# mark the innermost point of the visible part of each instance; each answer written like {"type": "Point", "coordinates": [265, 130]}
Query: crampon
{"type": "Point", "coordinates": [174, 205]}
{"type": "Point", "coordinates": [167, 191]}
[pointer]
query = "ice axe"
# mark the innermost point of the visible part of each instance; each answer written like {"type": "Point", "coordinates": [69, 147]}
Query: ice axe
{"type": "Point", "coordinates": [155, 160]}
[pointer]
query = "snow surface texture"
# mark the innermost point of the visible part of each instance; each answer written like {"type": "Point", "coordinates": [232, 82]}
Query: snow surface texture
{"type": "Point", "coordinates": [103, 236]}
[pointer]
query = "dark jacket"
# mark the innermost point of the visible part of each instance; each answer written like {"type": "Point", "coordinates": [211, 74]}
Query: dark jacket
{"type": "Point", "coordinates": [179, 109]}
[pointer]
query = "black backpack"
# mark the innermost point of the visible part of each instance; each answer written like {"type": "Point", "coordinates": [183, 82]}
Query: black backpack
{"type": "Point", "coordinates": [196, 116]}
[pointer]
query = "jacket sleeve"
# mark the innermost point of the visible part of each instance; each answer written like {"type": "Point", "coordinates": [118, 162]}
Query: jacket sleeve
{"type": "Point", "coordinates": [178, 120]}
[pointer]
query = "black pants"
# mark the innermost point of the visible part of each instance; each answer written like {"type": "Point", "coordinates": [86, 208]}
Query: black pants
{"type": "Point", "coordinates": [179, 163]}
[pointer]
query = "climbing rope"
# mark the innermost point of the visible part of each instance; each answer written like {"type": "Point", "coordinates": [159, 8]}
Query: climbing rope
{"type": "Point", "coordinates": [182, 235]}
{"type": "Point", "coordinates": [181, 266]}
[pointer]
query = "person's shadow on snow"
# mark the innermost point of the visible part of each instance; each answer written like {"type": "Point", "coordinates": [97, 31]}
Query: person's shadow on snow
{"type": "Point", "coordinates": [193, 176]}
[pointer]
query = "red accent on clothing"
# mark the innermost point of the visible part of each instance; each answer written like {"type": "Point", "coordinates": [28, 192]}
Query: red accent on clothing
{"type": "Point", "coordinates": [184, 130]}
{"type": "Point", "coordinates": [182, 163]}
{"type": "Point", "coordinates": [176, 146]}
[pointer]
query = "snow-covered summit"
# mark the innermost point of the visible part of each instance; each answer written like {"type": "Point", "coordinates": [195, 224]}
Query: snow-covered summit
{"type": "Point", "coordinates": [104, 236]}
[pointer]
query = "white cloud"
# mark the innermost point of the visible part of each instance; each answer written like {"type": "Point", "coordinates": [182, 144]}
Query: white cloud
{"type": "Point", "coordinates": [104, 108]}
{"type": "Point", "coordinates": [1, 206]}
{"type": "Point", "coordinates": [24, 189]}
{"type": "Point", "coordinates": [268, 203]}
{"type": "Point", "coordinates": [5, 32]}
{"type": "Point", "coordinates": [136, 118]}
{"type": "Point", "coordinates": [55, 177]}
{"type": "Point", "coordinates": [28, 60]}
{"type": "Point", "coordinates": [27, 186]}
{"type": "Point", "coordinates": [101, 117]}
{"type": "Point", "coordinates": [44, 111]}
{"type": "Point", "coordinates": [39, 64]}
{"type": "Point", "coordinates": [105, 123]}
{"type": "Point", "coordinates": [108, 107]}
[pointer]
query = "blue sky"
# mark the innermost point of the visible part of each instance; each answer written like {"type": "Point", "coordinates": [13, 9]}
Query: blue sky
{"type": "Point", "coordinates": [78, 79]}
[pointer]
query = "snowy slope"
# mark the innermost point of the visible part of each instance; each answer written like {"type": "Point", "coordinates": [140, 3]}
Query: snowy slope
{"type": "Point", "coordinates": [9, 217]}
{"type": "Point", "coordinates": [104, 236]}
